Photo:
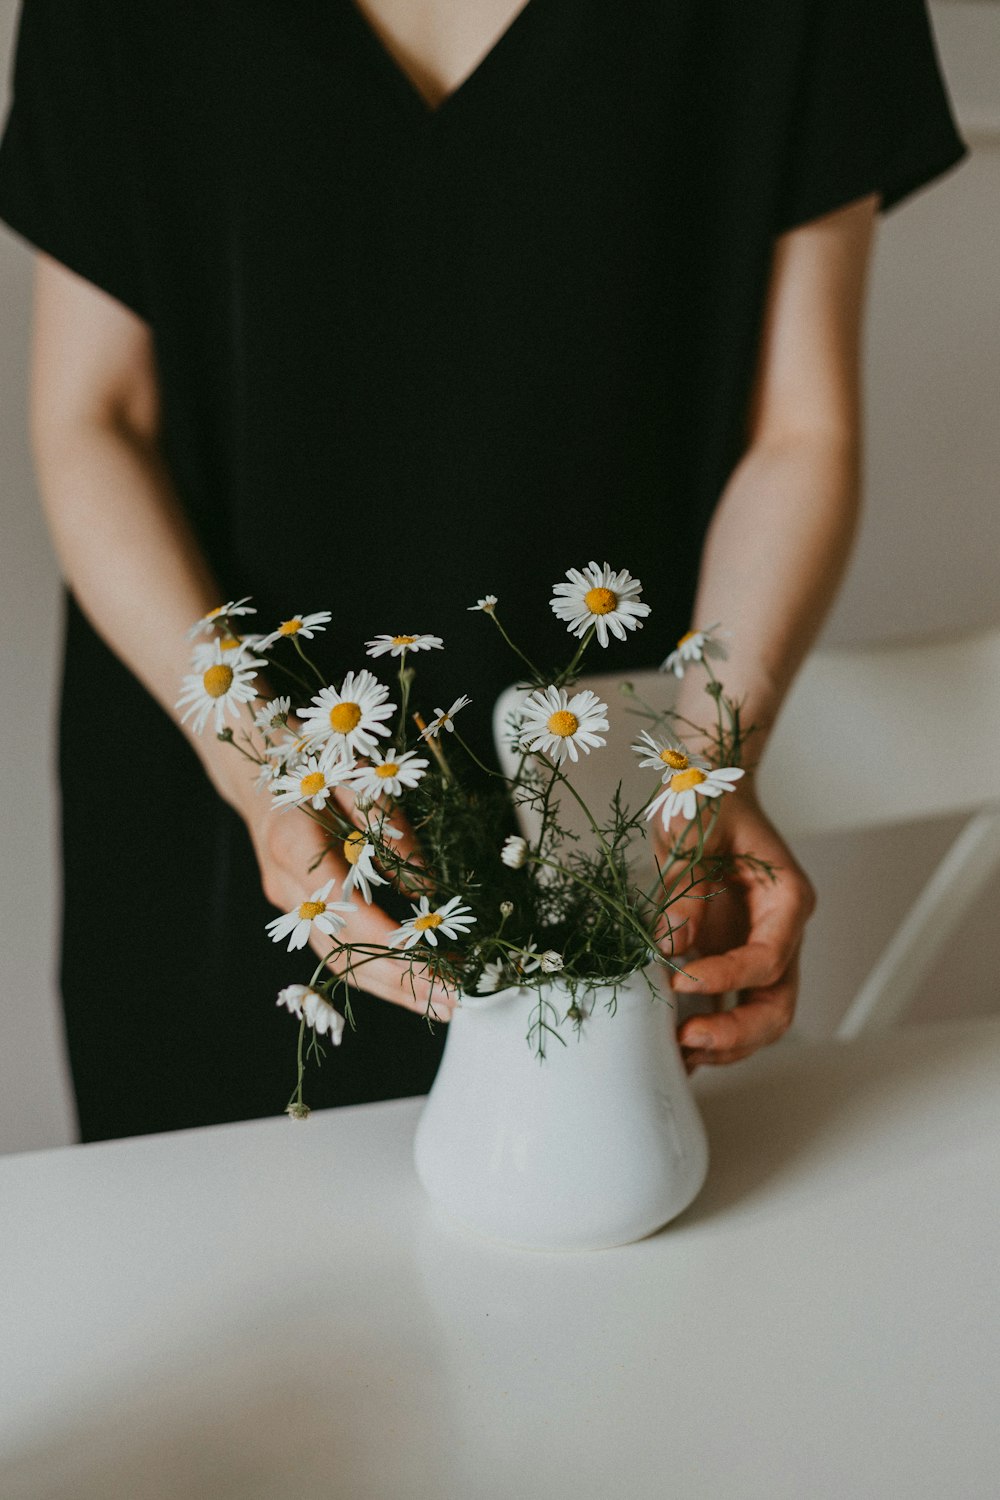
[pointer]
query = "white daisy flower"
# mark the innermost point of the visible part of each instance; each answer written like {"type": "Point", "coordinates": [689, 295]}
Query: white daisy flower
{"type": "Point", "coordinates": [361, 874]}
{"type": "Point", "coordinates": [444, 718]}
{"type": "Point", "coordinates": [514, 852]}
{"type": "Point", "coordinates": [493, 977]}
{"type": "Point", "coordinates": [560, 726]}
{"type": "Point", "coordinates": [344, 724]}
{"type": "Point", "coordinates": [666, 754]}
{"type": "Point", "coordinates": [450, 920]}
{"type": "Point", "coordinates": [683, 788]}
{"type": "Point", "coordinates": [389, 774]}
{"type": "Point", "coordinates": [596, 596]}
{"type": "Point", "coordinates": [225, 680]}
{"type": "Point", "coordinates": [487, 605]}
{"type": "Point", "coordinates": [273, 715]}
{"type": "Point", "coordinates": [551, 961]}
{"type": "Point", "coordinates": [310, 784]}
{"type": "Point", "coordinates": [306, 626]}
{"type": "Point", "coordinates": [296, 925]}
{"type": "Point", "coordinates": [398, 645]}
{"type": "Point", "coordinates": [221, 612]}
{"type": "Point", "coordinates": [203, 652]}
{"type": "Point", "coordinates": [315, 1009]}
{"type": "Point", "coordinates": [695, 646]}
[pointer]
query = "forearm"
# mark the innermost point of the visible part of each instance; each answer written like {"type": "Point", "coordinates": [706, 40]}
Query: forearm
{"type": "Point", "coordinates": [129, 556]}
{"type": "Point", "coordinates": [773, 560]}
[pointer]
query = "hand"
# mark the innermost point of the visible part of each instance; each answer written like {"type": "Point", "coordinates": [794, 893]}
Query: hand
{"type": "Point", "coordinates": [748, 938]}
{"type": "Point", "coordinates": [286, 843]}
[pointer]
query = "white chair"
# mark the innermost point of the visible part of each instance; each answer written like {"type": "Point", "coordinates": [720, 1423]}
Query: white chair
{"type": "Point", "coordinates": [868, 737]}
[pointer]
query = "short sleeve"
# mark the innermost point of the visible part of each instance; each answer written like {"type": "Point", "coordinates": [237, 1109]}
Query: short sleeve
{"type": "Point", "coordinates": [66, 179]}
{"type": "Point", "coordinates": [872, 112]}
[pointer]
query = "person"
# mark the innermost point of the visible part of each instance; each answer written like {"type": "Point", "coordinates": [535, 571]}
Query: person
{"type": "Point", "coordinates": [379, 308]}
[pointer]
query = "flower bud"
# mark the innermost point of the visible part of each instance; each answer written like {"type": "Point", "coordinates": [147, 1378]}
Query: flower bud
{"type": "Point", "coordinates": [551, 961]}
{"type": "Point", "coordinates": [506, 909]}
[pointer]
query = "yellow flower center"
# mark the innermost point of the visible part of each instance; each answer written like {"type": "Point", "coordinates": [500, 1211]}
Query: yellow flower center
{"type": "Point", "coordinates": [432, 919]}
{"type": "Point", "coordinates": [674, 759]}
{"type": "Point", "coordinates": [213, 614]}
{"type": "Point", "coordinates": [311, 784]}
{"type": "Point", "coordinates": [563, 723]}
{"type": "Point", "coordinates": [600, 601]}
{"type": "Point", "coordinates": [230, 643]}
{"type": "Point", "coordinates": [688, 636]}
{"type": "Point", "coordinates": [386, 769]}
{"type": "Point", "coordinates": [403, 640]}
{"type": "Point", "coordinates": [310, 910]}
{"type": "Point", "coordinates": [354, 847]}
{"type": "Point", "coordinates": [685, 780]}
{"type": "Point", "coordinates": [344, 717]}
{"type": "Point", "coordinates": [290, 627]}
{"type": "Point", "coordinates": [218, 680]}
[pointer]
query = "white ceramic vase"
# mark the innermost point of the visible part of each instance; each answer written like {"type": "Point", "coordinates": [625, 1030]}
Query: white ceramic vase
{"type": "Point", "coordinates": [598, 1144]}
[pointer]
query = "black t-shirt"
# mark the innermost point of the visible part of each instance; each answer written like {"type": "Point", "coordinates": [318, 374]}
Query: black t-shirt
{"type": "Point", "coordinates": [409, 357]}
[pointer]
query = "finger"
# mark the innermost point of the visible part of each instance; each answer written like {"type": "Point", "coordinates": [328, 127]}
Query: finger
{"type": "Point", "coordinates": [757, 1021]}
{"type": "Point", "coordinates": [776, 929]}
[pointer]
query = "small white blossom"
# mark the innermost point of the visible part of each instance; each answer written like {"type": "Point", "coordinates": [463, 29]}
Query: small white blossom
{"type": "Point", "coordinates": [219, 614]}
{"type": "Point", "coordinates": [318, 912]}
{"type": "Point", "coordinates": [398, 645]}
{"type": "Point", "coordinates": [667, 755]}
{"type": "Point", "coordinates": [273, 715]}
{"type": "Point", "coordinates": [317, 1012]}
{"type": "Point", "coordinates": [600, 598]}
{"type": "Point", "coordinates": [514, 851]}
{"type": "Point", "coordinates": [220, 686]}
{"type": "Point", "coordinates": [444, 718]}
{"type": "Point", "coordinates": [551, 961]}
{"type": "Point", "coordinates": [554, 724]}
{"type": "Point", "coordinates": [487, 605]}
{"type": "Point", "coordinates": [695, 646]}
{"type": "Point", "coordinates": [683, 788]}
{"type": "Point", "coordinates": [388, 774]}
{"type": "Point", "coordinates": [310, 784]}
{"type": "Point", "coordinates": [306, 626]}
{"type": "Point", "coordinates": [344, 723]}
{"type": "Point", "coordinates": [361, 873]}
{"type": "Point", "coordinates": [451, 920]}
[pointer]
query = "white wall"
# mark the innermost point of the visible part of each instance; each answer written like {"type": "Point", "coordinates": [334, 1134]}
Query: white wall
{"type": "Point", "coordinates": [926, 562]}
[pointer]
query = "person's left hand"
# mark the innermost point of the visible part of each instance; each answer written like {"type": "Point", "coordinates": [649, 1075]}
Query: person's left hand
{"type": "Point", "coordinates": [747, 938]}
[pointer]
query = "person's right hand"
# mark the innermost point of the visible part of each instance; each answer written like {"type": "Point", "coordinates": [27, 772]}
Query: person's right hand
{"type": "Point", "coordinates": [286, 843]}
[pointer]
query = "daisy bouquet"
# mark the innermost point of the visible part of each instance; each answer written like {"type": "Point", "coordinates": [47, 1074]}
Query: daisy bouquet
{"type": "Point", "coordinates": [501, 893]}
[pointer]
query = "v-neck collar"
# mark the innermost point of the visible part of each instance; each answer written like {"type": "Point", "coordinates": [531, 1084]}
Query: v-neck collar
{"type": "Point", "coordinates": [401, 80]}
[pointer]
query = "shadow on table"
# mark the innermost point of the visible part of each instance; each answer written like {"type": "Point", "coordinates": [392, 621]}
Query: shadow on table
{"type": "Point", "coordinates": [275, 1407]}
{"type": "Point", "coordinates": [806, 1107]}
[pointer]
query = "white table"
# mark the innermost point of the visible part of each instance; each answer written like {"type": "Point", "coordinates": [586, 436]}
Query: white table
{"type": "Point", "coordinates": [272, 1309]}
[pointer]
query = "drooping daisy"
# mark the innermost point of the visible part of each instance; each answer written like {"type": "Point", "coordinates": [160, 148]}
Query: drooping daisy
{"type": "Point", "coordinates": [220, 614]}
{"type": "Point", "coordinates": [297, 924]}
{"type": "Point", "coordinates": [682, 790]}
{"type": "Point", "coordinates": [318, 1012]}
{"type": "Point", "coordinates": [398, 645]}
{"type": "Point", "coordinates": [344, 724]}
{"type": "Point", "coordinates": [361, 873]}
{"type": "Point", "coordinates": [667, 755]}
{"type": "Point", "coordinates": [388, 774]}
{"type": "Point", "coordinates": [596, 596]}
{"type": "Point", "coordinates": [451, 920]}
{"type": "Point", "coordinates": [493, 977]}
{"type": "Point", "coordinates": [274, 714]}
{"type": "Point", "coordinates": [444, 718]}
{"type": "Point", "coordinates": [560, 726]}
{"type": "Point", "coordinates": [551, 961]}
{"type": "Point", "coordinates": [305, 626]}
{"type": "Point", "coordinates": [309, 784]}
{"type": "Point", "coordinates": [219, 686]}
{"type": "Point", "coordinates": [694, 646]}
{"type": "Point", "coordinates": [514, 851]}
{"type": "Point", "coordinates": [487, 605]}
